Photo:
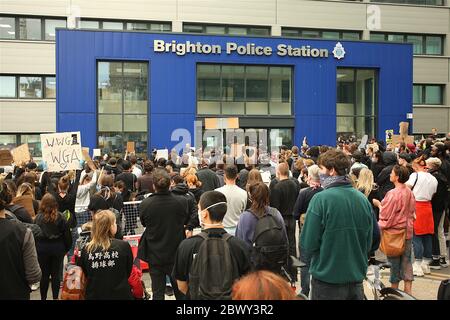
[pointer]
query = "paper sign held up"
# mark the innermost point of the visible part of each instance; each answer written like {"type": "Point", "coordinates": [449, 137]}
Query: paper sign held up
{"type": "Point", "coordinates": [61, 151]}
{"type": "Point", "coordinates": [5, 157]}
{"type": "Point", "coordinates": [85, 153]}
{"type": "Point", "coordinates": [162, 153]}
{"type": "Point", "coordinates": [97, 153]}
{"type": "Point", "coordinates": [130, 146]}
{"type": "Point", "coordinates": [21, 154]}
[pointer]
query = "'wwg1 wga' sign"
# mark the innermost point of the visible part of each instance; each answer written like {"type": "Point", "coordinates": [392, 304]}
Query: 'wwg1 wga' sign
{"type": "Point", "coordinates": [61, 151]}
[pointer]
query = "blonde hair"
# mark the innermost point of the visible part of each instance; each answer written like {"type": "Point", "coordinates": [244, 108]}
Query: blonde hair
{"type": "Point", "coordinates": [25, 189]}
{"type": "Point", "coordinates": [101, 231]}
{"type": "Point", "coordinates": [365, 181]}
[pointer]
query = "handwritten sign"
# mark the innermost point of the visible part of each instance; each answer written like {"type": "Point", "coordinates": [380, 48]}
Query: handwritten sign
{"type": "Point", "coordinates": [61, 151]}
{"type": "Point", "coordinates": [162, 153]}
{"type": "Point", "coordinates": [130, 146]}
{"type": "Point", "coordinates": [85, 153]}
{"type": "Point", "coordinates": [5, 157]}
{"type": "Point", "coordinates": [97, 153]}
{"type": "Point", "coordinates": [389, 134]}
{"type": "Point", "coordinates": [21, 154]}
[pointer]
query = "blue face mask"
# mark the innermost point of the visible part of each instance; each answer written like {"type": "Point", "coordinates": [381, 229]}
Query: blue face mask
{"type": "Point", "coordinates": [323, 179]}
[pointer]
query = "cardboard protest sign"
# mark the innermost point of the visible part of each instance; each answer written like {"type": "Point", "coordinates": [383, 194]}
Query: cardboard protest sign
{"type": "Point", "coordinates": [162, 153]}
{"type": "Point", "coordinates": [130, 146]}
{"type": "Point", "coordinates": [85, 153]}
{"type": "Point", "coordinates": [6, 157]}
{"type": "Point", "coordinates": [21, 154]}
{"type": "Point", "coordinates": [396, 138]}
{"type": "Point", "coordinates": [97, 153]}
{"type": "Point", "coordinates": [61, 151]}
{"type": "Point", "coordinates": [389, 134]}
{"type": "Point", "coordinates": [374, 147]}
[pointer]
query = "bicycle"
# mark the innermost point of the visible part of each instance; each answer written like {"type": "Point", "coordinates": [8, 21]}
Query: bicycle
{"type": "Point", "coordinates": [379, 290]}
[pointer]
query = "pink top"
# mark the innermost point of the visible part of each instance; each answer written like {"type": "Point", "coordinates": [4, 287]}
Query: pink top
{"type": "Point", "coordinates": [398, 206]}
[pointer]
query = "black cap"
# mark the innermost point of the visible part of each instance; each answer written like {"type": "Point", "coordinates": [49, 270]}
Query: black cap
{"type": "Point", "coordinates": [405, 157]}
{"type": "Point", "coordinates": [32, 166]}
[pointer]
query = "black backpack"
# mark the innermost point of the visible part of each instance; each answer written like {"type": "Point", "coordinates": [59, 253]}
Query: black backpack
{"type": "Point", "coordinates": [444, 290]}
{"type": "Point", "coordinates": [212, 271]}
{"type": "Point", "coordinates": [270, 247]}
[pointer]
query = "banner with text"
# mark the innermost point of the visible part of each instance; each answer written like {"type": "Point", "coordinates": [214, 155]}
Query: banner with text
{"type": "Point", "coordinates": [61, 151]}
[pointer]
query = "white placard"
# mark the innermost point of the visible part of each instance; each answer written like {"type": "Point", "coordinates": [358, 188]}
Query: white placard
{"type": "Point", "coordinates": [162, 153]}
{"type": "Point", "coordinates": [61, 151]}
{"type": "Point", "coordinates": [97, 153]}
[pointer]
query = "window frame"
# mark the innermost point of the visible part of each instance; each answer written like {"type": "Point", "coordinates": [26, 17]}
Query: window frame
{"type": "Point", "coordinates": [227, 28]}
{"type": "Point", "coordinates": [423, 92]}
{"type": "Point", "coordinates": [221, 114]}
{"type": "Point", "coordinates": [424, 41]}
{"type": "Point", "coordinates": [125, 24]}
{"type": "Point", "coordinates": [320, 32]}
{"type": "Point", "coordinates": [17, 85]}
{"type": "Point", "coordinates": [42, 25]}
{"type": "Point", "coordinates": [122, 114]}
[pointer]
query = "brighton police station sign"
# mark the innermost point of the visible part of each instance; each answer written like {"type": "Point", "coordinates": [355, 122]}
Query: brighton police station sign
{"type": "Point", "coordinates": [249, 49]}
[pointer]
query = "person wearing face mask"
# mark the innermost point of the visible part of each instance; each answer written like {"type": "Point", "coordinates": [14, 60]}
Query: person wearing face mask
{"type": "Point", "coordinates": [337, 233]}
{"type": "Point", "coordinates": [163, 214]}
{"type": "Point", "coordinates": [212, 208]}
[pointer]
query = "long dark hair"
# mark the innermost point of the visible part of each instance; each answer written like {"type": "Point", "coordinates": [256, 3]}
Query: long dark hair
{"type": "Point", "coordinates": [259, 194]}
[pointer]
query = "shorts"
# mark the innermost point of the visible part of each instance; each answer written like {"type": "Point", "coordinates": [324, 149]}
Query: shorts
{"type": "Point", "coordinates": [401, 267]}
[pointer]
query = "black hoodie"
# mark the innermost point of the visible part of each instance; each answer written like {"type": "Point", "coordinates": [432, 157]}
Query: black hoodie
{"type": "Point", "coordinates": [191, 220]}
{"type": "Point", "coordinates": [53, 235]}
{"type": "Point", "coordinates": [383, 181]}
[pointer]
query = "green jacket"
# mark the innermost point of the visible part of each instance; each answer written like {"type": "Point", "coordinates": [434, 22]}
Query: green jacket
{"type": "Point", "coordinates": [338, 234]}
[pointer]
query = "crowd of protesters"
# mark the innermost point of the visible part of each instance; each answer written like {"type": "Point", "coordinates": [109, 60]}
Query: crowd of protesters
{"type": "Point", "coordinates": [339, 198]}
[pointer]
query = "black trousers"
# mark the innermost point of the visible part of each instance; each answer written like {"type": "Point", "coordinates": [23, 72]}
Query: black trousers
{"type": "Point", "coordinates": [437, 215]}
{"type": "Point", "coordinates": [289, 221]}
{"type": "Point", "coordinates": [158, 276]}
{"type": "Point", "coordinates": [50, 267]}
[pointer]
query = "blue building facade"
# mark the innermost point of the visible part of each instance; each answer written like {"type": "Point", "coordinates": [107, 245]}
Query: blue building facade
{"type": "Point", "coordinates": [321, 105]}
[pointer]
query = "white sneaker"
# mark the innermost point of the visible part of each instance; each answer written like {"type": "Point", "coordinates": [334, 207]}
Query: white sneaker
{"type": "Point", "coordinates": [35, 286]}
{"type": "Point", "coordinates": [425, 266]}
{"type": "Point", "coordinates": [417, 269]}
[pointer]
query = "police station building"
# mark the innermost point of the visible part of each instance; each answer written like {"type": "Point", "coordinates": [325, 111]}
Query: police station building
{"type": "Point", "coordinates": [154, 88]}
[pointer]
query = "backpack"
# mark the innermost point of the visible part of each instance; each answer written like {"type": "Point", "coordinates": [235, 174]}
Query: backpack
{"type": "Point", "coordinates": [213, 271]}
{"type": "Point", "coordinates": [70, 218]}
{"type": "Point", "coordinates": [270, 248]}
{"type": "Point", "coordinates": [35, 229]}
{"type": "Point", "coordinates": [444, 290]}
{"type": "Point", "coordinates": [74, 284]}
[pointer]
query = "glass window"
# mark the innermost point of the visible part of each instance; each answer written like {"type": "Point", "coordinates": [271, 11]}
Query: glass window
{"type": "Point", "coordinates": [279, 137]}
{"type": "Point", "coordinates": [417, 41]}
{"type": "Point", "coordinates": [280, 90]}
{"type": "Point", "coordinates": [350, 35]}
{"type": "Point", "coordinates": [377, 37]}
{"type": "Point", "coordinates": [7, 28]}
{"type": "Point", "coordinates": [256, 83]}
{"type": "Point", "coordinates": [160, 27]}
{"type": "Point", "coordinates": [30, 87]}
{"type": "Point", "coordinates": [192, 28]}
{"type": "Point", "coordinates": [290, 32]}
{"type": "Point", "coordinates": [330, 35]}
{"type": "Point", "coordinates": [433, 45]}
{"type": "Point", "coordinates": [89, 24]}
{"type": "Point", "coordinates": [50, 87]}
{"type": "Point", "coordinates": [208, 82]}
{"type": "Point", "coordinates": [233, 83]}
{"type": "Point", "coordinates": [34, 143]}
{"type": "Point", "coordinates": [8, 87]}
{"type": "Point", "coordinates": [417, 94]}
{"type": "Point", "coordinates": [109, 122]}
{"type": "Point", "coordinates": [258, 31]}
{"type": "Point", "coordinates": [109, 25]}
{"type": "Point", "coordinates": [215, 29]}
{"type": "Point", "coordinates": [135, 88]}
{"type": "Point", "coordinates": [356, 103]}
{"type": "Point", "coordinates": [239, 31]}
{"type": "Point", "coordinates": [135, 123]}
{"type": "Point", "coordinates": [109, 87]}
{"type": "Point", "coordinates": [208, 107]}
{"type": "Point", "coordinates": [30, 29]}
{"type": "Point", "coordinates": [50, 25]}
{"type": "Point", "coordinates": [142, 26]}
{"type": "Point", "coordinates": [396, 37]}
{"type": "Point", "coordinates": [433, 94]}
{"type": "Point", "coordinates": [8, 141]}
{"type": "Point", "coordinates": [114, 143]}
{"type": "Point", "coordinates": [310, 34]}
